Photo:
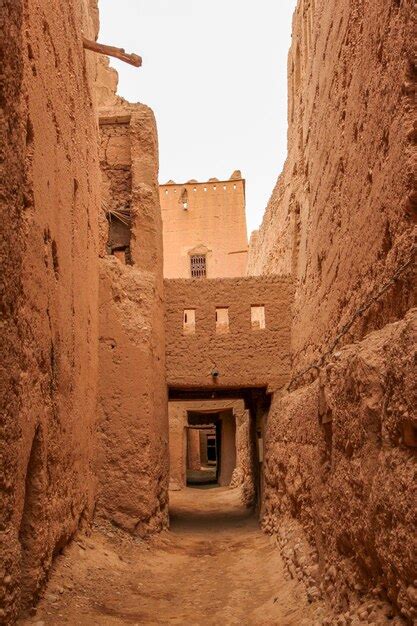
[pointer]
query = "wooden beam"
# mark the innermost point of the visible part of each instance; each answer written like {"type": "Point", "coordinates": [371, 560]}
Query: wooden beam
{"type": "Point", "coordinates": [118, 53]}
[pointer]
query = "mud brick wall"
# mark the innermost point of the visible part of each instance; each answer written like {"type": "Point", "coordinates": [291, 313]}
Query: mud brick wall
{"type": "Point", "coordinates": [133, 462]}
{"type": "Point", "coordinates": [242, 356]}
{"type": "Point", "coordinates": [340, 462]}
{"type": "Point", "coordinates": [342, 217]}
{"type": "Point", "coordinates": [49, 250]}
{"type": "Point", "coordinates": [191, 214]}
{"type": "Point", "coordinates": [342, 220]}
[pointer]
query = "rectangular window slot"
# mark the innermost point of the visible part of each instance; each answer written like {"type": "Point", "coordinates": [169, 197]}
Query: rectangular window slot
{"type": "Point", "coordinates": [222, 320]}
{"type": "Point", "coordinates": [257, 317]}
{"type": "Point", "coordinates": [189, 322]}
{"type": "Point", "coordinates": [198, 266]}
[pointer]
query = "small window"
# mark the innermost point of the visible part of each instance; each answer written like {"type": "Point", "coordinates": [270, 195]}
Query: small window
{"type": "Point", "coordinates": [198, 266]}
{"type": "Point", "coordinates": [222, 320]}
{"type": "Point", "coordinates": [257, 317]}
{"type": "Point", "coordinates": [189, 322]}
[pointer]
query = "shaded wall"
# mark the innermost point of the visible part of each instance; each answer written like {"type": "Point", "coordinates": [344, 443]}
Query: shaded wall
{"type": "Point", "coordinates": [49, 247]}
{"type": "Point", "coordinates": [242, 355]}
{"type": "Point", "coordinates": [227, 448]}
{"type": "Point", "coordinates": [193, 449]}
{"type": "Point", "coordinates": [341, 220]}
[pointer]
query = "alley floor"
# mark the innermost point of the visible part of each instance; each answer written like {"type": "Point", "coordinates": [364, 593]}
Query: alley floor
{"type": "Point", "coordinates": [213, 567]}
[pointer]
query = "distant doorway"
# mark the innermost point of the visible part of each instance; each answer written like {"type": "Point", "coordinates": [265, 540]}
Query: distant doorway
{"type": "Point", "coordinates": [211, 447]}
{"type": "Point", "coordinates": [202, 455]}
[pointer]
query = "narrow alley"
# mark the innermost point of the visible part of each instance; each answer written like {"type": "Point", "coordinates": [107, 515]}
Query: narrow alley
{"type": "Point", "coordinates": [215, 566]}
{"type": "Point", "coordinates": [208, 398]}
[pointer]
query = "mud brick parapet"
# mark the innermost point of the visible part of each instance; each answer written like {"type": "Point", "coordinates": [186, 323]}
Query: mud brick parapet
{"type": "Point", "coordinates": [241, 355]}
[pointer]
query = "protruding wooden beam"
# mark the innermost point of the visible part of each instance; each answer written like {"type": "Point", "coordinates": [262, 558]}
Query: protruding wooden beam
{"type": "Point", "coordinates": [118, 53]}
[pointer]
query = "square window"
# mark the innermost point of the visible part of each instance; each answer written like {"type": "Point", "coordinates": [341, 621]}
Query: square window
{"type": "Point", "coordinates": [257, 317]}
{"type": "Point", "coordinates": [222, 320]}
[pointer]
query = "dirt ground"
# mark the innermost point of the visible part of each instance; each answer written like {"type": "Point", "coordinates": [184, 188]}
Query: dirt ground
{"type": "Point", "coordinates": [213, 567]}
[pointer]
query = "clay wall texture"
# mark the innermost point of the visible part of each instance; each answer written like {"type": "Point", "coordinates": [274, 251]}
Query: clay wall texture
{"type": "Point", "coordinates": [133, 412]}
{"type": "Point", "coordinates": [242, 356]}
{"type": "Point", "coordinates": [340, 462]}
{"type": "Point", "coordinates": [341, 221]}
{"type": "Point", "coordinates": [342, 216]}
{"type": "Point", "coordinates": [49, 247]}
{"type": "Point", "coordinates": [214, 224]}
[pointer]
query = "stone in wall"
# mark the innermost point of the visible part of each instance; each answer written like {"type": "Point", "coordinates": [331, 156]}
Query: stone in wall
{"type": "Point", "coordinates": [50, 246]}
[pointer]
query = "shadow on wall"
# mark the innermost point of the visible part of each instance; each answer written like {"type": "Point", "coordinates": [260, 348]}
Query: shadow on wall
{"type": "Point", "coordinates": [32, 573]}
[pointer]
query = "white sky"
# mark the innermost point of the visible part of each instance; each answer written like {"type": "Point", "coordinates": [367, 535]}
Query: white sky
{"type": "Point", "coordinates": [215, 74]}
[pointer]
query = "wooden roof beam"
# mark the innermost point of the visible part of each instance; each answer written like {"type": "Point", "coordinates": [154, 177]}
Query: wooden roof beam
{"type": "Point", "coordinates": [118, 53]}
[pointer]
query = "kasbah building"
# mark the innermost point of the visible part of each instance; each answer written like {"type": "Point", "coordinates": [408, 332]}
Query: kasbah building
{"type": "Point", "coordinates": [197, 429]}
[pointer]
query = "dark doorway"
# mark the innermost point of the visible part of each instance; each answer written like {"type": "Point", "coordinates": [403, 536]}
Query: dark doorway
{"type": "Point", "coordinates": [203, 454]}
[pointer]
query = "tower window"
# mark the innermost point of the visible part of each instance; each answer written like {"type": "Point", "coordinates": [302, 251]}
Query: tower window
{"type": "Point", "coordinates": [198, 266]}
{"type": "Point", "coordinates": [189, 322]}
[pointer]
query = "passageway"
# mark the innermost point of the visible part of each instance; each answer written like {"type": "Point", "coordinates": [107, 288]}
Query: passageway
{"type": "Point", "coordinates": [214, 566]}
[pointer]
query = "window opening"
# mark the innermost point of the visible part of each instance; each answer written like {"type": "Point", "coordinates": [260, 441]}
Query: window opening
{"type": "Point", "coordinates": [211, 450]}
{"type": "Point", "coordinates": [222, 320]}
{"type": "Point", "coordinates": [184, 199]}
{"type": "Point", "coordinates": [119, 234]}
{"type": "Point", "coordinates": [202, 455]}
{"type": "Point", "coordinates": [257, 314]}
{"type": "Point", "coordinates": [189, 322]}
{"type": "Point", "coordinates": [198, 266]}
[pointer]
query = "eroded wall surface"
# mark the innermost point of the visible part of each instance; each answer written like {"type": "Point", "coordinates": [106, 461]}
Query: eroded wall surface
{"type": "Point", "coordinates": [341, 221]}
{"type": "Point", "coordinates": [242, 355]}
{"type": "Point", "coordinates": [342, 217]}
{"type": "Point", "coordinates": [49, 250]}
{"type": "Point", "coordinates": [341, 462]}
{"type": "Point", "coordinates": [133, 460]}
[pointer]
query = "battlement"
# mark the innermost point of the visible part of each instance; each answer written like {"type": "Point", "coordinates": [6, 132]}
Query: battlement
{"type": "Point", "coordinates": [210, 185]}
